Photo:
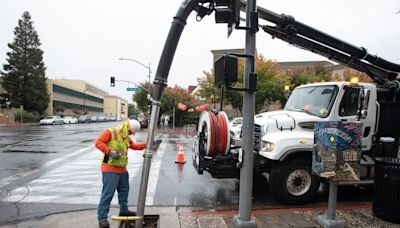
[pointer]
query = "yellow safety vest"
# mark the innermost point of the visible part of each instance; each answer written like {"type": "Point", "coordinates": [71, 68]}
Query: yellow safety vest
{"type": "Point", "coordinates": [119, 144]}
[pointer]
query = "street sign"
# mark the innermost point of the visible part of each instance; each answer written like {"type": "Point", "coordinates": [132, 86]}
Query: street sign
{"type": "Point", "coordinates": [137, 89]}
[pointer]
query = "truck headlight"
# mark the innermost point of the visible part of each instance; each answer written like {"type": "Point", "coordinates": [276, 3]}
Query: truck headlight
{"type": "Point", "coordinates": [267, 146]}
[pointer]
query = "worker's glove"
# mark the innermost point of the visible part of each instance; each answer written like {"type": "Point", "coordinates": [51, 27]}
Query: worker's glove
{"type": "Point", "coordinates": [114, 154]}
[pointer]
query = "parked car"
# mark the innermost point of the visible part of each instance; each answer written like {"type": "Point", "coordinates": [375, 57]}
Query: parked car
{"type": "Point", "coordinates": [236, 121]}
{"type": "Point", "coordinates": [235, 126]}
{"type": "Point", "coordinates": [113, 118]}
{"type": "Point", "coordinates": [84, 119]}
{"type": "Point", "coordinates": [93, 119]}
{"type": "Point", "coordinates": [101, 118]}
{"type": "Point", "coordinates": [52, 120]}
{"type": "Point", "coordinates": [144, 122]}
{"type": "Point", "coordinates": [70, 120]}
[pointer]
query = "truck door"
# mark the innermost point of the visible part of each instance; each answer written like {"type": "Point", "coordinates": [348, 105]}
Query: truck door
{"type": "Point", "coordinates": [354, 98]}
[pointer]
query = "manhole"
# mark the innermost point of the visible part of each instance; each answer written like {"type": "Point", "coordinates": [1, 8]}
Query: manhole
{"type": "Point", "coordinates": [149, 221]}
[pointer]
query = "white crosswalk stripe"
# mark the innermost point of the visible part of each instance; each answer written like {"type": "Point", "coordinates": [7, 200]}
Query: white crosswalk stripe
{"type": "Point", "coordinates": [77, 182]}
{"type": "Point", "coordinates": [154, 173]}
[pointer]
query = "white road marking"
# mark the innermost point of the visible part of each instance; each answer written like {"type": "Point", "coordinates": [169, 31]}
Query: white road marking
{"type": "Point", "coordinates": [16, 176]}
{"type": "Point", "coordinates": [154, 174]}
{"type": "Point", "coordinates": [76, 182]}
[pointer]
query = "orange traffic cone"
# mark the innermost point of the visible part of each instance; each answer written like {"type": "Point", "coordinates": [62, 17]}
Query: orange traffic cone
{"type": "Point", "coordinates": [180, 159]}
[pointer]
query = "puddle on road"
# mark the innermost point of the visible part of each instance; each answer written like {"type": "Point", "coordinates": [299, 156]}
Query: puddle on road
{"type": "Point", "coordinates": [33, 152]}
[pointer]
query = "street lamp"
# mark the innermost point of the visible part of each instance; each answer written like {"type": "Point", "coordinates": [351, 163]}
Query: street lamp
{"type": "Point", "coordinates": [143, 65]}
{"type": "Point", "coordinates": [173, 113]}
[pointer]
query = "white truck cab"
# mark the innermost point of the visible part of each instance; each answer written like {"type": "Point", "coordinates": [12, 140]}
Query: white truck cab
{"type": "Point", "coordinates": [284, 139]}
{"type": "Point", "coordinates": [279, 132]}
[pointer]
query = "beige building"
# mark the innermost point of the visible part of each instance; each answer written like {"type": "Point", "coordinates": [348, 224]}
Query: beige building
{"type": "Point", "coordinates": [77, 97]}
{"type": "Point", "coordinates": [74, 97]}
{"type": "Point", "coordinates": [116, 106]}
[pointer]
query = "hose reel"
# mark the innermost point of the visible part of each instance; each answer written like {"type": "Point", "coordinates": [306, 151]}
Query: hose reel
{"type": "Point", "coordinates": [215, 128]}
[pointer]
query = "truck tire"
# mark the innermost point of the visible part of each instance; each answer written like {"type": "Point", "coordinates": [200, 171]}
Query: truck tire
{"type": "Point", "coordinates": [292, 182]}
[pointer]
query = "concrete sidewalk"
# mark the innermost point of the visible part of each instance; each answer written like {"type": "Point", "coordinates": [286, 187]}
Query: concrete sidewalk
{"type": "Point", "coordinates": [87, 218]}
{"type": "Point", "coordinates": [354, 216]}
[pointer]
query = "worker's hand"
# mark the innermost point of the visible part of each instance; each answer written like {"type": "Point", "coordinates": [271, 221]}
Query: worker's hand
{"type": "Point", "coordinates": [114, 154]}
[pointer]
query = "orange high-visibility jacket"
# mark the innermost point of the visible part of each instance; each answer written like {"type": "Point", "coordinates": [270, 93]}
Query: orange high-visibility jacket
{"type": "Point", "coordinates": [101, 144]}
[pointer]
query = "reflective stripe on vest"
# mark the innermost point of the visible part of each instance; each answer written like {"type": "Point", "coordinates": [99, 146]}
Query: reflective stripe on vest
{"type": "Point", "coordinates": [118, 144]}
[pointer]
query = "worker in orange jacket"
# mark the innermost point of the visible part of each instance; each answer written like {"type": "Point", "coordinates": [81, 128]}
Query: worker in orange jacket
{"type": "Point", "coordinates": [114, 143]}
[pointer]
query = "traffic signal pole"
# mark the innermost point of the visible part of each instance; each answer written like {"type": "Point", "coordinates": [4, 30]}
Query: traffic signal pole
{"type": "Point", "coordinates": [244, 219]}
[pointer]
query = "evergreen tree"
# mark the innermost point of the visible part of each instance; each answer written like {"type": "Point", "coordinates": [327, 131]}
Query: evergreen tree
{"type": "Point", "coordinates": [24, 78]}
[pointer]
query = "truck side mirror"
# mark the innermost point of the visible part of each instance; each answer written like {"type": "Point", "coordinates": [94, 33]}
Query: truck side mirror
{"type": "Point", "coordinates": [226, 70]}
{"type": "Point", "coordinates": [364, 99]}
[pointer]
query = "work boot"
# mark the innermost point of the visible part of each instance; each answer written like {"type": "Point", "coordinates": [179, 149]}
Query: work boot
{"type": "Point", "coordinates": [127, 213]}
{"type": "Point", "coordinates": [104, 223]}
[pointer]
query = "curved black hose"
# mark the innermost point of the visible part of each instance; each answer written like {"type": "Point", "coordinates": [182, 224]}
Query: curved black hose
{"type": "Point", "coordinates": [170, 46]}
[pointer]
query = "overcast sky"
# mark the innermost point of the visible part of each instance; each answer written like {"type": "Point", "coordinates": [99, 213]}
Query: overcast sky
{"type": "Point", "coordinates": [83, 39]}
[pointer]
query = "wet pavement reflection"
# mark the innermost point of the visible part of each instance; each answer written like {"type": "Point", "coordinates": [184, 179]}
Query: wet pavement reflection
{"type": "Point", "coordinates": [52, 169]}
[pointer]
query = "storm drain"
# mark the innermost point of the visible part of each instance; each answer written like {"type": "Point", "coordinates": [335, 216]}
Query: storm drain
{"type": "Point", "coordinates": [149, 221]}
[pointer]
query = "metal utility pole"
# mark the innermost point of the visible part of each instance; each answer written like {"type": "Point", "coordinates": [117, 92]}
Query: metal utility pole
{"type": "Point", "coordinates": [173, 114]}
{"type": "Point", "coordinates": [143, 65]}
{"type": "Point", "coordinates": [243, 219]}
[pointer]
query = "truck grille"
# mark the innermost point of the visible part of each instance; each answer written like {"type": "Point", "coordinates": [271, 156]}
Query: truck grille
{"type": "Point", "coordinates": [257, 137]}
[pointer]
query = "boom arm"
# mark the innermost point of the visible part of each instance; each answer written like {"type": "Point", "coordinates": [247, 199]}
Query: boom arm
{"type": "Point", "coordinates": [303, 36]}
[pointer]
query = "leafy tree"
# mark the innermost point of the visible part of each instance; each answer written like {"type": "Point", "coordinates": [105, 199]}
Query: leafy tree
{"type": "Point", "coordinates": [348, 73]}
{"type": "Point", "coordinates": [141, 97]}
{"type": "Point", "coordinates": [24, 77]}
{"type": "Point", "coordinates": [304, 76]}
{"type": "Point", "coordinates": [177, 93]}
{"type": "Point", "coordinates": [132, 110]}
{"type": "Point", "coordinates": [270, 83]}
{"type": "Point", "coordinates": [208, 88]}
{"type": "Point", "coordinates": [211, 92]}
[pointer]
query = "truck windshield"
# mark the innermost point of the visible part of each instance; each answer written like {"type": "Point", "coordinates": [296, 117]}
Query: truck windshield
{"type": "Point", "coordinates": [314, 100]}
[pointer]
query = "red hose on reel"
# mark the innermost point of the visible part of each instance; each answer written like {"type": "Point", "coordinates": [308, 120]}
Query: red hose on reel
{"type": "Point", "coordinates": [213, 135]}
{"type": "Point", "coordinates": [216, 131]}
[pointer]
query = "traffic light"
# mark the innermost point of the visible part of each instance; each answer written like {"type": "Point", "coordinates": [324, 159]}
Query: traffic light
{"type": "Point", "coordinates": [226, 70]}
{"type": "Point", "coordinates": [5, 99]}
{"type": "Point", "coordinates": [112, 81]}
{"type": "Point", "coordinates": [228, 11]}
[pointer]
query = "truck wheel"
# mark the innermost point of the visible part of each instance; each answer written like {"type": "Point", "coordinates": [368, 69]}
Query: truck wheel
{"type": "Point", "coordinates": [293, 183]}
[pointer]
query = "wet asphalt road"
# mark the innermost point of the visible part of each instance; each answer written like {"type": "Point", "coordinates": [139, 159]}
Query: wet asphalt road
{"type": "Point", "coordinates": [52, 169]}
